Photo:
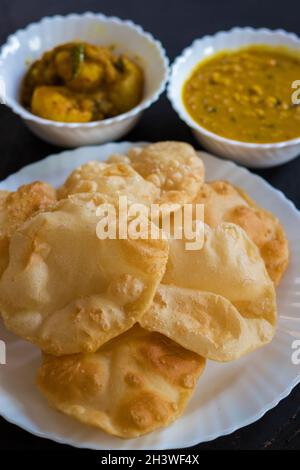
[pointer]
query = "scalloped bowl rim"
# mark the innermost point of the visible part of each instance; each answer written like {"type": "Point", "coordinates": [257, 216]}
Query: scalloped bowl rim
{"type": "Point", "coordinates": [190, 121]}
{"type": "Point", "coordinates": [28, 116]}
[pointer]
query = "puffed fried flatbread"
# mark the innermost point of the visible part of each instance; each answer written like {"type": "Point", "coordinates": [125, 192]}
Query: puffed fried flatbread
{"type": "Point", "coordinates": [226, 203]}
{"type": "Point", "coordinates": [68, 291]}
{"type": "Point", "coordinates": [113, 179]}
{"type": "Point", "coordinates": [173, 167]}
{"type": "Point", "coordinates": [132, 385]}
{"type": "Point", "coordinates": [18, 206]}
{"type": "Point", "coordinates": [217, 301]}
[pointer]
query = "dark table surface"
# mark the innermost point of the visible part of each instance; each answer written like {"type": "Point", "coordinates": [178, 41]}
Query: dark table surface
{"type": "Point", "coordinates": [176, 24]}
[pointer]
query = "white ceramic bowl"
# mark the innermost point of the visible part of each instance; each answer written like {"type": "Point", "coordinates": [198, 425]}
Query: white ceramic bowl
{"type": "Point", "coordinates": [249, 154]}
{"type": "Point", "coordinates": [29, 44]}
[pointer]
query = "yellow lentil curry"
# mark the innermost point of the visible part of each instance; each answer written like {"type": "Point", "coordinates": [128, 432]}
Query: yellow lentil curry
{"type": "Point", "coordinates": [246, 94]}
{"type": "Point", "coordinates": [80, 82]}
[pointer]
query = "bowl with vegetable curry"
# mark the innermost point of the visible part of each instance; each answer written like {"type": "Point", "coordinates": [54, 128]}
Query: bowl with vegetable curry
{"type": "Point", "coordinates": [82, 79]}
{"type": "Point", "coordinates": [239, 92]}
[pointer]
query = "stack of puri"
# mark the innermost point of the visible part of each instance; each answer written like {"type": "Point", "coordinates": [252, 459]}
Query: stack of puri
{"type": "Point", "coordinates": [125, 326]}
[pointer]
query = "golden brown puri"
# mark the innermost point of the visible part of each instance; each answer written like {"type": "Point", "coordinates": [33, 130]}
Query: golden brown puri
{"type": "Point", "coordinates": [16, 207]}
{"type": "Point", "coordinates": [113, 179]}
{"type": "Point", "coordinates": [226, 203]}
{"type": "Point", "coordinates": [74, 290]}
{"type": "Point", "coordinates": [132, 385]}
{"type": "Point", "coordinates": [173, 167]}
{"type": "Point", "coordinates": [217, 301]}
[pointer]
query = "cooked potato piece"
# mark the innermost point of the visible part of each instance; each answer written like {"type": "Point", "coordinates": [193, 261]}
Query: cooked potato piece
{"type": "Point", "coordinates": [92, 66]}
{"type": "Point", "coordinates": [89, 77]}
{"type": "Point", "coordinates": [56, 104]}
{"type": "Point", "coordinates": [63, 64]}
{"type": "Point", "coordinates": [127, 91]}
{"type": "Point", "coordinates": [80, 74]}
{"type": "Point", "coordinates": [40, 73]}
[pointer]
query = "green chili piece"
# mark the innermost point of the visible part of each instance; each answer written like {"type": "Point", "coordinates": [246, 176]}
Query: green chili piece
{"type": "Point", "coordinates": [77, 59]}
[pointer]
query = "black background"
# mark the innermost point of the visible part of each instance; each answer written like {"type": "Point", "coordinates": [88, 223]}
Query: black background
{"type": "Point", "coordinates": [176, 24]}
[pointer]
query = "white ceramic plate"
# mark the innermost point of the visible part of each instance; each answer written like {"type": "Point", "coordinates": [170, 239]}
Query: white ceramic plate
{"type": "Point", "coordinates": [229, 396]}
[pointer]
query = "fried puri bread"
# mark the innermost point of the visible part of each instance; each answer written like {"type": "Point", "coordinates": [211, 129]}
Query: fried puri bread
{"type": "Point", "coordinates": [173, 167]}
{"type": "Point", "coordinates": [217, 301]}
{"type": "Point", "coordinates": [16, 207]}
{"type": "Point", "coordinates": [76, 291]}
{"type": "Point", "coordinates": [226, 203]}
{"type": "Point", "coordinates": [131, 386]}
{"type": "Point", "coordinates": [113, 179]}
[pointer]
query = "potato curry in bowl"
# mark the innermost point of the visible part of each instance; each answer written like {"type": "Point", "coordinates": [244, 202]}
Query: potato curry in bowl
{"type": "Point", "coordinates": [81, 82]}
